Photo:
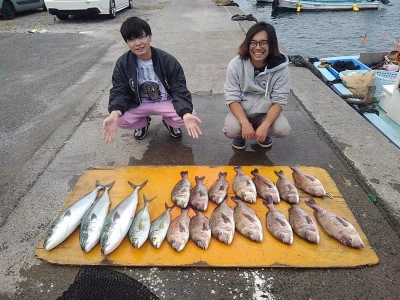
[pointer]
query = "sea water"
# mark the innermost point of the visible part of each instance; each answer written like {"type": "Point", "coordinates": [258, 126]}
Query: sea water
{"type": "Point", "coordinates": [327, 34]}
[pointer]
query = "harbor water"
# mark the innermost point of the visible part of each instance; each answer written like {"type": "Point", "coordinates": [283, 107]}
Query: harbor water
{"type": "Point", "coordinates": [328, 34]}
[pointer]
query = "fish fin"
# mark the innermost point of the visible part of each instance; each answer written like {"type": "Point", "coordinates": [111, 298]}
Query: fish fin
{"type": "Point", "coordinates": [110, 185]}
{"type": "Point", "coordinates": [140, 225]}
{"type": "Point", "coordinates": [222, 174]}
{"type": "Point", "coordinates": [311, 202]}
{"type": "Point", "coordinates": [184, 174]}
{"type": "Point", "coordinates": [342, 221]}
{"type": "Point", "coordinates": [67, 214]}
{"type": "Point", "coordinates": [309, 220]}
{"type": "Point", "coordinates": [116, 217]}
{"type": "Point", "coordinates": [225, 218]}
{"type": "Point", "coordinates": [93, 217]}
{"type": "Point", "coordinates": [281, 222]}
{"type": "Point", "coordinates": [221, 188]}
{"type": "Point", "coordinates": [135, 185]}
{"type": "Point", "coordinates": [279, 173]}
{"type": "Point", "coordinates": [250, 217]}
{"type": "Point", "coordinates": [255, 171]}
{"type": "Point", "coordinates": [182, 228]}
{"type": "Point", "coordinates": [312, 178]}
{"type": "Point", "coordinates": [206, 226]}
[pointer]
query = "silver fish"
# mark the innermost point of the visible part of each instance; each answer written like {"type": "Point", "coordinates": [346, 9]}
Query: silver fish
{"type": "Point", "coordinates": [287, 189]}
{"type": "Point", "coordinates": [219, 188]}
{"type": "Point", "coordinates": [243, 186]}
{"type": "Point", "coordinates": [69, 219]}
{"type": "Point", "coordinates": [159, 227]}
{"type": "Point", "coordinates": [308, 183]}
{"type": "Point", "coordinates": [119, 221]}
{"type": "Point", "coordinates": [178, 231]}
{"type": "Point", "coordinates": [222, 223]}
{"type": "Point", "coordinates": [277, 224]}
{"type": "Point", "coordinates": [246, 221]}
{"type": "Point", "coordinates": [303, 225]}
{"type": "Point", "coordinates": [265, 187]}
{"type": "Point", "coordinates": [199, 195]}
{"type": "Point", "coordinates": [140, 227]}
{"type": "Point", "coordinates": [199, 230]}
{"type": "Point", "coordinates": [336, 226]}
{"type": "Point", "coordinates": [93, 221]}
{"type": "Point", "coordinates": [181, 192]}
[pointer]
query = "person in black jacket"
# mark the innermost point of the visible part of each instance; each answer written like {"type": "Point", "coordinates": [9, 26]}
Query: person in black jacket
{"type": "Point", "coordinates": [148, 81]}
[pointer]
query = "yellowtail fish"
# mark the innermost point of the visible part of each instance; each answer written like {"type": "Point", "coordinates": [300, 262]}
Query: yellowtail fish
{"type": "Point", "coordinates": [119, 221]}
{"type": "Point", "coordinates": [159, 227]}
{"type": "Point", "coordinates": [69, 219]}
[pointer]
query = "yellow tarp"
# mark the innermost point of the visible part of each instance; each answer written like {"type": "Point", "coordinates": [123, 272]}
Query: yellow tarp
{"type": "Point", "coordinates": [241, 253]}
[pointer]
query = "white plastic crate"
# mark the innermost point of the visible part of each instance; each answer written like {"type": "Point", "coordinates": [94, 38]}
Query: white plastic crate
{"type": "Point", "coordinates": [383, 77]}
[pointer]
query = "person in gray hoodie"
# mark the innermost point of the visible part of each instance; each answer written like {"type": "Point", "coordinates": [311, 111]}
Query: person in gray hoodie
{"type": "Point", "coordinates": [256, 88]}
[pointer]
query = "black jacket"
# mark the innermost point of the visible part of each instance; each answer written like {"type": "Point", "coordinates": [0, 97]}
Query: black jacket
{"type": "Point", "coordinates": [124, 94]}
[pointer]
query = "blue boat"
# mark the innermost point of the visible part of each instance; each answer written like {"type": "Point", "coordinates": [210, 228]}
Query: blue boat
{"type": "Point", "coordinates": [386, 118]}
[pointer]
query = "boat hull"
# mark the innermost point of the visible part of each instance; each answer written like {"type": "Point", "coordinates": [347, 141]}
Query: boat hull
{"type": "Point", "coordinates": [328, 5]}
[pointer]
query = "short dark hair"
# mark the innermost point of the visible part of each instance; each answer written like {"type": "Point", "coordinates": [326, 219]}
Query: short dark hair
{"type": "Point", "coordinates": [274, 52]}
{"type": "Point", "coordinates": [134, 27]}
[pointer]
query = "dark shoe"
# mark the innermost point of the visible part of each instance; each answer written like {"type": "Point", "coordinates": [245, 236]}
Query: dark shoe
{"type": "Point", "coordinates": [267, 143]}
{"type": "Point", "coordinates": [174, 132]}
{"type": "Point", "coordinates": [141, 133]}
{"type": "Point", "coordinates": [239, 143]}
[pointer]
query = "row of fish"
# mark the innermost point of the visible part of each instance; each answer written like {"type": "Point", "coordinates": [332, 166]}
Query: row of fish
{"type": "Point", "coordinates": [245, 188]}
{"type": "Point", "coordinates": [97, 225]}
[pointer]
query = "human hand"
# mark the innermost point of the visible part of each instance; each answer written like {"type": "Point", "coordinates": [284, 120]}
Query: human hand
{"type": "Point", "coordinates": [191, 125]}
{"type": "Point", "coordinates": [110, 127]}
{"type": "Point", "coordinates": [261, 133]}
{"type": "Point", "coordinates": [248, 132]}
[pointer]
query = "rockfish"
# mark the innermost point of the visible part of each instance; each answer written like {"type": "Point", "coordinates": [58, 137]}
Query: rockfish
{"type": "Point", "coordinates": [287, 190]}
{"type": "Point", "coordinates": [222, 223]}
{"type": "Point", "coordinates": [219, 188]}
{"type": "Point", "coordinates": [246, 221]}
{"type": "Point", "coordinates": [140, 227]}
{"type": "Point", "coordinates": [69, 219]}
{"type": "Point", "coordinates": [303, 225]}
{"type": "Point", "coordinates": [277, 224]}
{"type": "Point", "coordinates": [336, 226]}
{"type": "Point", "coordinates": [178, 231]}
{"type": "Point", "coordinates": [307, 183]}
{"type": "Point", "coordinates": [181, 192]}
{"type": "Point", "coordinates": [159, 227]}
{"type": "Point", "coordinates": [93, 221]}
{"type": "Point", "coordinates": [199, 230]}
{"type": "Point", "coordinates": [199, 195]}
{"type": "Point", "coordinates": [119, 221]}
{"type": "Point", "coordinates": [243, 186]}
{"type": "Point", "coordinates": [265, 187]}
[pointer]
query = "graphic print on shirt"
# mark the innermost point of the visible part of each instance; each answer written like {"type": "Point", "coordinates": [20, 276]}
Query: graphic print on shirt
{"type": "Point", "coordinates": [150, 88]}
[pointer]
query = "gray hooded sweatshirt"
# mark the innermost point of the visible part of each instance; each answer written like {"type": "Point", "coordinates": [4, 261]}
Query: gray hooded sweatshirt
{"type": "Point", "coordinates": [258, 93]}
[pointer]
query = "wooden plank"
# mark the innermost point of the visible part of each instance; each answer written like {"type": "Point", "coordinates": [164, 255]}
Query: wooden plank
{"type": "Point", "coordinates": [241, 253]}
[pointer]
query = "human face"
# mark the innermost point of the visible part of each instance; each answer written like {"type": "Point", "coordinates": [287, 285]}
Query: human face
{"type": "Point", "coordinates": [258, 54]}
{"type": "Point", "coordinates": [140, 46]}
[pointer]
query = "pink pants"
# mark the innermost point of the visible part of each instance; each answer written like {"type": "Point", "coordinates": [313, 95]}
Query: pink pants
{"type": "Point", "coordinates": [137, 118]}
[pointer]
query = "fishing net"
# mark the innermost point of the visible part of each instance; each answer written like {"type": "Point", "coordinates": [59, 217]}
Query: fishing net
{"type": "Point", "coordinates": [94, 282]}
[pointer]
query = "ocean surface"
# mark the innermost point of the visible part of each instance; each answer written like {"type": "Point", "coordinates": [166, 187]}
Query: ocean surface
{"type": "Point", "coordinates": [327, 34]}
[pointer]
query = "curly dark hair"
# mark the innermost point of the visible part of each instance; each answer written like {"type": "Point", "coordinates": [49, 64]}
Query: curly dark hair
{"type": "Point", "coordinates": [134, 27]}
{"type": "Point", "coordinates": [274, 52]}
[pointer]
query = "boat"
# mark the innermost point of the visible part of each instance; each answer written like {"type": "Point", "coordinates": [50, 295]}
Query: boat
{"type": "Point", "coordinates": [265, 1]}
{"type": "Point", "coordinates": [325, 5]}
{"type": "Point", "coordinates": [386, 106]}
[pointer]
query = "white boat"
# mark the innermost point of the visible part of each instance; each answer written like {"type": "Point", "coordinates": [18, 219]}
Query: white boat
{"type": "Point", "coordinates": [387, 93]}
{"type": "Point", "coordinates": [325, 5]}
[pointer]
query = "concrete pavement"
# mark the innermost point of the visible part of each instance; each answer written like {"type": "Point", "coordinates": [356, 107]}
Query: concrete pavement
{"type": "Point", "coordinates": [326, 133]}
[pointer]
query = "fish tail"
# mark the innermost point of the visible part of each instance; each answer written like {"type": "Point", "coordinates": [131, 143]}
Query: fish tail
{"type": "Point", "coordinates": [279, 173]}
{"type": "Point", "coordinates": [255, 171]}
{"type": "Point", "coordinates": [136, 185]}
{"type": "Point", "coordinates": [311, 203]}
{"type": "Point", "coordinates": [148, 200]}
{"type": "Point", "coordinates": [169, 207]}
{"type": "Point", "coordinates": [235, 199]}
{"type": "Point", "coordinates": [237, 168]}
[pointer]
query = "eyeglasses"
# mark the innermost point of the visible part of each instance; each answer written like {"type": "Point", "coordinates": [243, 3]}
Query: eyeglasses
{"type": "Point", "coordinates": [263, 44]}
{"type": "Point", "coordinates": [139, 39]}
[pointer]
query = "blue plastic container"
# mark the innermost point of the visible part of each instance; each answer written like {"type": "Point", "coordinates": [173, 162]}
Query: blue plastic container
{"type": "Point", "coordinates": [354, 61]}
